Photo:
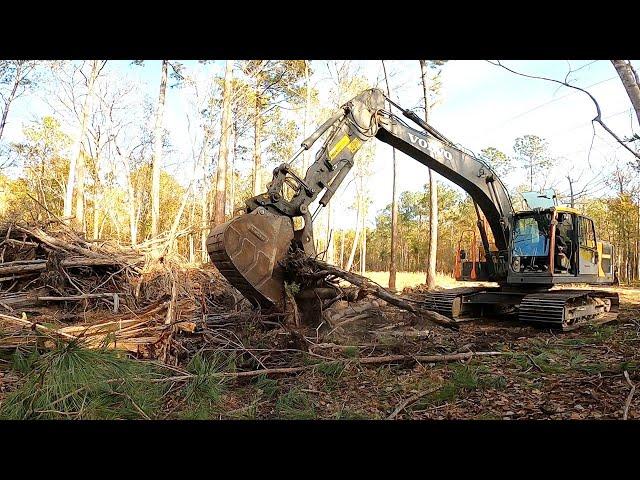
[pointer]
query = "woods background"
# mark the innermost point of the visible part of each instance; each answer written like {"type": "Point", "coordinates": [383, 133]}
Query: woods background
{"type": "Point", "coordinates": [103, 158]}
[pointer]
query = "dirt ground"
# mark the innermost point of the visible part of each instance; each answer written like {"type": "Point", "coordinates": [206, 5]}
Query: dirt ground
{"type": "Point", "coordinates": [537, 374]}
{"type": "Point", "coordinates": [540, 375]}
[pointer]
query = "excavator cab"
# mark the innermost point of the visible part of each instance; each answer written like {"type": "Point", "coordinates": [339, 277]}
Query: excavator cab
{"type": "Point", "coordinates": [559, 245]}
{"type": "Point", "coordinates": [531, 242]}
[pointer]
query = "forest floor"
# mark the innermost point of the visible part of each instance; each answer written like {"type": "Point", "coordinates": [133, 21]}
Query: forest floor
{"type": "Point", "coordinates": [222, 360]}
{"type": "Point", "coordinates": [539, 375]}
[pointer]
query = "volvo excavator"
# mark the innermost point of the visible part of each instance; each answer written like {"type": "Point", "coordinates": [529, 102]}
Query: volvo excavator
{"type": "Point", "coordinates": [526, 253]}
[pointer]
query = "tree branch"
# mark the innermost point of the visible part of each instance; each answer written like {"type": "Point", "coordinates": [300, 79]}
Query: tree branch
{"type": "Point", "coordinates": [597, 118]}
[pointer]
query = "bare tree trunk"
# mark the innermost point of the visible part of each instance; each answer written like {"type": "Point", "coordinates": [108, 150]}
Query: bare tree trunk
{"type": "Point", "coordinates": [97, 213]}
{"type": "Point", "coordinates": [357, 235]}
{"type": "Point", "coordinates": [630, 81]}
{"type": "Point", "coordinates": [80, 174]}
{"type": "Point", "coordinates": [131, 200]}
{"type": "Point", "coordinates": [221, 181]}
{"type": "Point", "coordinates": [363, 249]}
{"type": "Point", "coordinates": [433, 193]}
{"type": "Point", "coordinates": [331, 251]}
{"type": "Point", "coordinates": [355, 239]}
{"type": "Point", "coordinates": [257, 136]}
{"type": "Point", "coordinates": [133, 217]}
{"type": "Point", "coordinates": [12, 95]}
{"type": "Point", "coordinates": [157, 154]}
{"type": "Point", "coordinates": [231, 177]}
{"type": "Point", "coordinates": [204, 230]}
{"type": "Point", "coordinates": [307, 106]}
{"type": "Point", "coordinates": [352, 255]}
{"type": "Point", "coordinates": [76, 166]}
{"type": "Point", "coordinates": [192, 244]}
{"type": "Point", "coordinates": [233, 169]}
{"type": "Point", "coordinates": [394, 206]}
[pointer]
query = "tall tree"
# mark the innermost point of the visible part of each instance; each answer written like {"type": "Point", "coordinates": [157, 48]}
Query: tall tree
{"type": "Point", "coordinates": [427, 88]}
{"type": "Point", "coordinates": [347, 82]}
{"type": "Point", "coordinates": [275, 83]}
{"type": "Point", "coordinates": [156, 166]}
{"type": "Point", "coordinates": [499, 161]}
{"type": "Point", "coordinates": [394, 204]}
{"type": "Point", "coordinates": [42, 153]}
{"type": "Point", "coordinates": [75, 180]}
{"type": "Point", "coordinates": [533, 154]}
{"type": "Point", "coordinates": [16, 77]}
{"type": "Point", "coordinates": [225, 132]}
{"type": "Point", "coordinates": [307, 107]}
{"type": "Point", "coordinates": [631, 82]}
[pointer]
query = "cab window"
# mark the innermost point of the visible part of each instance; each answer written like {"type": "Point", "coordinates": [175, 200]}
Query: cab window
{"type": "Point", "coordinates": [587, 233]}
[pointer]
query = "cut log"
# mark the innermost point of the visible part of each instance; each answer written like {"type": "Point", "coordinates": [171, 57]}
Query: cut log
{"type": "Point", "coordinates": [7, 269]}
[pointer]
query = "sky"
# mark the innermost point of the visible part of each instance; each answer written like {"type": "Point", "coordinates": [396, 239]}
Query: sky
{"type": "Point", "coordinates": [480, 105]}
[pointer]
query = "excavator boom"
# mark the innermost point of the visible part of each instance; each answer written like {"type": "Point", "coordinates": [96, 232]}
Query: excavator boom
{"type": "Point", "coordinates": [247, 248]}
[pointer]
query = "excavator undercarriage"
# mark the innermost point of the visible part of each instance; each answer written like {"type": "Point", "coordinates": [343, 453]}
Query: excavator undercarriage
{"type": "Point", "coordinates": [532, 251]}
{"type": "Point", "coordinates": [557, 309]}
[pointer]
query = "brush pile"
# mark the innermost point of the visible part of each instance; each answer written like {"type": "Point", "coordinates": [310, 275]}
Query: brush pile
{"type": "Point", "coordinates": [56, 284]}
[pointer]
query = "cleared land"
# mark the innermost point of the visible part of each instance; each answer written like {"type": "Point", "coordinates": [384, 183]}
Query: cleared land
{"type": "Point", "coordinates": [225, 361]}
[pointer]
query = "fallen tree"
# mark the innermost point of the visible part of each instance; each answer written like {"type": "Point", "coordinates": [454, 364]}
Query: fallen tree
{"type": "Point", "coordinates": [312, 275]}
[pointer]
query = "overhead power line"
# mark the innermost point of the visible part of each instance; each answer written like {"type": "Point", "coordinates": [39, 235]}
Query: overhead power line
{"type": "Point", "coordinates": [501, 124]}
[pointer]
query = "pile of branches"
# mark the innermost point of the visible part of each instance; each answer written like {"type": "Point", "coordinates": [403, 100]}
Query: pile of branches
{"type": "Point", "coordinates": [56, 284]}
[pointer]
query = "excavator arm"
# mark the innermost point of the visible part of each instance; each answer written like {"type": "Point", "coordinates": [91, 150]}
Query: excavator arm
{"type": "Point", "coordinates": [247, 249]}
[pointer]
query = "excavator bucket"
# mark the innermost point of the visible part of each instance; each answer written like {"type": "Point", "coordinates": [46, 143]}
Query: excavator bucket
{"type": "Point", "coordinates": [247, 249]}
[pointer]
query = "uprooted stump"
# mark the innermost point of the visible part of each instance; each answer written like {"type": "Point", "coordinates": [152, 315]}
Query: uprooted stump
{"type": "Point", "coordinates": [319, 295]}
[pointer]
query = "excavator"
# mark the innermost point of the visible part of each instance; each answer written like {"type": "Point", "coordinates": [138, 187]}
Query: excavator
{"type": "Point", "coordinates": [531, 252]}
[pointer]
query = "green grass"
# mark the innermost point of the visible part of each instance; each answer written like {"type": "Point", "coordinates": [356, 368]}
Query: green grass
{"type": "Point", "coordinates": [73, 382]}
{"type": "Point", "coordinates": [351, 352]}
{"type": "Point", "coordinates": [600, 333]}
{"type": "Point", "coordinates": [266, 386]}
{"type": "Point", "coordinates": [295, 405]}
{"type": "Point", "coordinates": [463, 379]}
{"type": "Point", "coordinates": [331, 372]}
{"type": "Point", "coordinates": [347, 414]}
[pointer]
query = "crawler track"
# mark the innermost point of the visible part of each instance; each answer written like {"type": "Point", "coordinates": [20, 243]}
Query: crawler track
{"type": "Point", "coordinates": [569, 309]}
{"type": "Point", "coordinates": [448, 302]}
{"type": "Point", "coordinates": [562, 309]}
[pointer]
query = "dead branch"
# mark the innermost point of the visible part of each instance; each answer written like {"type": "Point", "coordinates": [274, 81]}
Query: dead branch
{"type": "Point", "coordinates": [428, 358]}
{"type": "Point", "coordinates": [627, 403]}
{"type": "Point", "coordinates": [365, 360]}
{"type": "Point", "coordinates": [36, 326]}
{"type": "Point", "coordinates": [411, 400]}
{"type": "Point", "coordinates": [597, 118]}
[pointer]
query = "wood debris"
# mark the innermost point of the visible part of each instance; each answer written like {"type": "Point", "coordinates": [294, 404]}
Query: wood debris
{"type": "Point", "coordinates": [56, 284]}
